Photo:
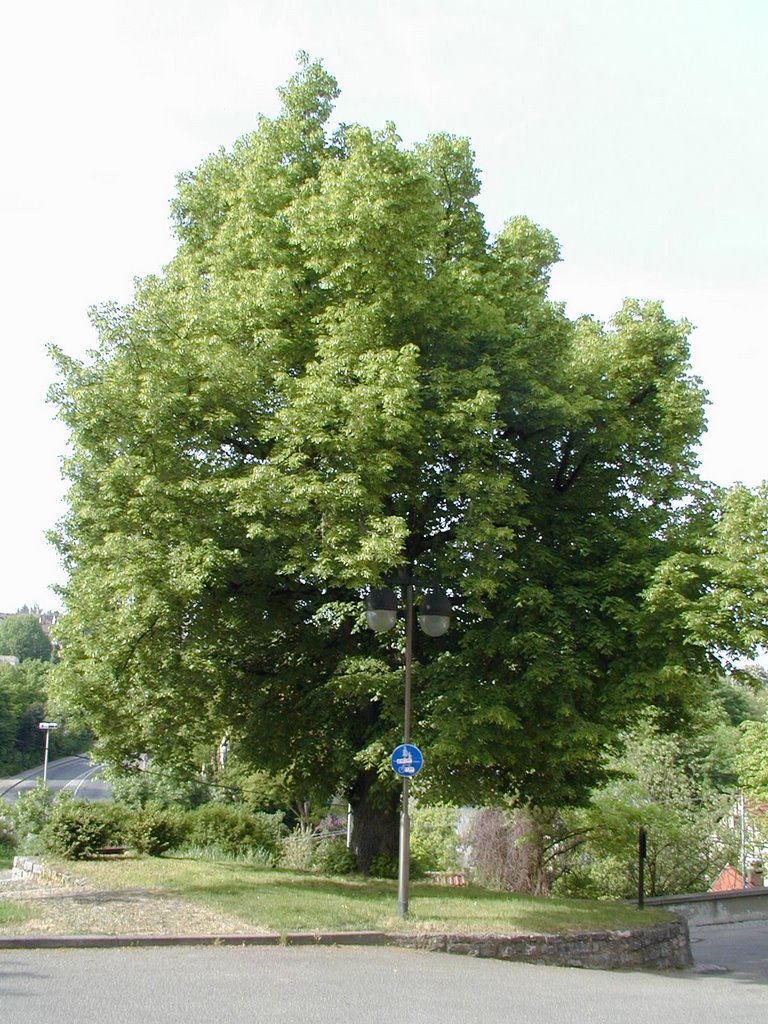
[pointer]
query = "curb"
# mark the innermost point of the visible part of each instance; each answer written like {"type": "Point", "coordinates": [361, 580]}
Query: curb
{"type": "Point", "coordinates": [116, 941]}
{"type": "Point", "coordinates": [665, 947]}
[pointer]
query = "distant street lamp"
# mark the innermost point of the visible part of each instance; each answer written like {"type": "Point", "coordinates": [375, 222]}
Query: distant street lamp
{"type": "Point", "coordinates": [381, 612]}
{"type": "Point", "coordinates": [47, 728]}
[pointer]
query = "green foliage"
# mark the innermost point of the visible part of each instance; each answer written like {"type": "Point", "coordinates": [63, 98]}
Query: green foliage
{"type": "Point", "coordinates": [297, 850]}
{"type": "Point", "coordinates": [710, 739]}
{"type": "Point", "coordinates": [233, 829]}
{"type": "Point", "coordinates": [434, 838]}
{"type": "Point", "coordinates": [77, 829]}
{"type": "Point", "coordinates": [339, 375]}
{"type": "Point", "coordinates": [383, 866]}
{"type": "Point", "coordinates": [23, 704]}
{"type": "Point", "coordinates": [8, 840]}
{"type": "Point", "coordinates": [752, 759]}
{"type": "Point", "coordinates": [22, 636]}
{"type": "Point", "coordinates": [259, 790]}
{"type": "Point", "coordinates": [735, 608]}
{"type": "Point", "coordinates": [688, 837]}
{"type": "Point", "coordinates": [156, 786]}
{"type": "Point", "coordinates": [29, 815]}
{"type": "Point", "coordinates": [332, 857]}
{"type": "Point", "coordinates": [154, 828]}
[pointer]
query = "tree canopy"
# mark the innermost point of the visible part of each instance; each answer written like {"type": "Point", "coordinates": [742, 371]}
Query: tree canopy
{"type": "Point", "coordinates": [23, 705]}
{"type": "Point", "coordinates": [339, 378]}
{"type": "Point", "coordinates": [22, 637]}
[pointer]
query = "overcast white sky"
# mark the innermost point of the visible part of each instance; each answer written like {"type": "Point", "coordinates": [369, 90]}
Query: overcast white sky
{"type": "Point", "coordinates": [635, 130]}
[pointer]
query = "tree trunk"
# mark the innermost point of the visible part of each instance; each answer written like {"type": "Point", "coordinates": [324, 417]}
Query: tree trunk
{"type": "Point", "coordinates": [375, 820]}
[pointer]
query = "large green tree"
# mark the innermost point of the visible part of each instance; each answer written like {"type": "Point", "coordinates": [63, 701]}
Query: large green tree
{"type": "Point", "coordinates": [338, 378]}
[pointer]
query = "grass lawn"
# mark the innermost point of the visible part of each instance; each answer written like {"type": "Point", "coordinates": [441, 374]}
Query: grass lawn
{"type": "Point", "coordinates": [13, 913]}
{"type": "Point", "coordinates": [285, 901]}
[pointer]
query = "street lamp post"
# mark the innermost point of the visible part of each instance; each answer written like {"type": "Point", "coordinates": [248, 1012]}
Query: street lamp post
{"type": "Point", "coordinates": [381, 612]}
{"type": "Point", "coordinates": [47, 728]}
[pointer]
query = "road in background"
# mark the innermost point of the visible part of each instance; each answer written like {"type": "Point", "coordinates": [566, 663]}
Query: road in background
{"type": "Point", "coordinates": [305, 985]}
{"type": "Point", "coordinates": [74, 774]}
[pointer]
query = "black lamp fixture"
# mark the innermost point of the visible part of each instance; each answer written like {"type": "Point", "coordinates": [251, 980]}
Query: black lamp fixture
{"type": "Point", "coordinates": [381, 611]}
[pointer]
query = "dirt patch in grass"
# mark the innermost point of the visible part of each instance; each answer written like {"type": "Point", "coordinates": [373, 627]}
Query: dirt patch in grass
{"type": "Point", "coordinates": [48, 911]}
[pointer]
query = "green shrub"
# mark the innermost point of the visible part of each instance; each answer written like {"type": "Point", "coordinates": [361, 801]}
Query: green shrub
{"type": "Point", "coordinates": [434, 838]}
{"type": "Point", "coordinates": [76, 829]}
{"type": "Point", "coordinates": [297, 851]}
{"type": "Point", "coordinates": [234, 829]}
{"type": "Point", "coordinates": [333, 858]}
{"type": "Point", "coordinates": [29, 814]}
{"type": "Point", "coordinates": [7, 835]}
{"type": "Point", "coordinates": [153, 829]}
{"type": "Point", "coordinates": [383, 866]}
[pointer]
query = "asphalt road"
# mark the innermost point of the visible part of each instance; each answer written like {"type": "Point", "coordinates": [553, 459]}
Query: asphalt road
{"type": "Point", "coordinates": [373, 985]}
{"type": "Point", "coordinates": [739, 950]}
{"type": "Point", "coordinates": [75, 774]}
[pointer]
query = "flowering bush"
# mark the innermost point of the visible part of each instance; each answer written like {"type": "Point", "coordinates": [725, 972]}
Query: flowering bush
{"type": "Point", "coordinates": [330, 825]}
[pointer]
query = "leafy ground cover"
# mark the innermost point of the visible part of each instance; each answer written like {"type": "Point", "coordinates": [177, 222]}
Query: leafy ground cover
{"type": "Point", "coordinates": [285, 901]}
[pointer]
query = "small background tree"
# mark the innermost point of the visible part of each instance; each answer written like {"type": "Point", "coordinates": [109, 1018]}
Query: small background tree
{"type": "Point", "coordinates": [690, 836]}
{"type": "Point", "coordinates": [23, 637]}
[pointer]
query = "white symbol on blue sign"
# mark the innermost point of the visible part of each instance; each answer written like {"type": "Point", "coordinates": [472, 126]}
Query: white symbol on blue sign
{"type": "Point", "coordinates": [406, 760]}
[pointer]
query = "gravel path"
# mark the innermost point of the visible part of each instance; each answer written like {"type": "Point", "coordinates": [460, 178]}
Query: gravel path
{"type": "Point", "coordinates": [70, 911]}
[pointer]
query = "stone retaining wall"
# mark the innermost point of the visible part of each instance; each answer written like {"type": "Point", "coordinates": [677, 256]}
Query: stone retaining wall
{"type": "Point", "coordinates": [658, 947]}
{"type": "Point", "coordinates": [27, 869]}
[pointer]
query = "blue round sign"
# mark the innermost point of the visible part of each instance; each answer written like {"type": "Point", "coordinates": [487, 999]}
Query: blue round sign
{"type": "Point", "coordinates": [406, 760]}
